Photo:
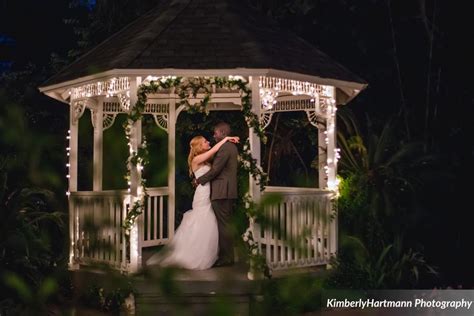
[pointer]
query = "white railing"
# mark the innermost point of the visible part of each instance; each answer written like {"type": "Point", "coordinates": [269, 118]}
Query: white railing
{"type": "Point", "coordinates": [96, 230]}
{"type": "Point", "coordinates": [300, 231]}
{"type": "Point", "coordinates": [155, 220]}
{"type": "Point", "coordinates": [97, 234]}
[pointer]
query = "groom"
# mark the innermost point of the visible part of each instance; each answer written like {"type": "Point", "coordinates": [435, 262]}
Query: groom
{"type": "Point", "coordinates": [223, 177]}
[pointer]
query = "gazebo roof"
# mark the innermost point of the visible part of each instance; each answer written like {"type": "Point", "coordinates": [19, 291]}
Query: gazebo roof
{"type": "Point", "coordinates": [205, 34]}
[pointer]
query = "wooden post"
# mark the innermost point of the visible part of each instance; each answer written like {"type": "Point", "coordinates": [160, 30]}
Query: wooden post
{"type": "Point", "coordinates": [322, 156]}
{"type": "Point", "coordinates": [254, 188]}
{"type": "Point", "coordinates": [98, 147]}
{"type": "Point", "coordinates": [72, 164]}
{"type": "Point", "coordinates": [135, 183]}
{"type": "Point", "coordinates": [253, 138]}
{"type": "Point", "coordinates": [171, 163]}
{"type": "Point", "coordinates": [332, 164]}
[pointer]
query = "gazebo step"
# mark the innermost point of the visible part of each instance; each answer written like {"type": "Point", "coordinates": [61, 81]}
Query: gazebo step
{"type": "Point", "coordinates": [193, 305]}
{"type": "Point", "coordinates": [197, 292]}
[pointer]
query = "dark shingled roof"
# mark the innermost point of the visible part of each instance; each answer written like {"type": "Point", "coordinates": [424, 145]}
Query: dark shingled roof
{"type": "Point", "coordinates": [204, 34]}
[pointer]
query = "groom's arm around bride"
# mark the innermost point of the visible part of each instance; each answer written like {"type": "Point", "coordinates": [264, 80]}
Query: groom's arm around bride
{"type": "Point", "coordinates": [223, 173]}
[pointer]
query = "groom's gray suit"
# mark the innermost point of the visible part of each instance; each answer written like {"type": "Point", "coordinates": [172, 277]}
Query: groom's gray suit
{"type": "Point", "coordinates": [223, 177]}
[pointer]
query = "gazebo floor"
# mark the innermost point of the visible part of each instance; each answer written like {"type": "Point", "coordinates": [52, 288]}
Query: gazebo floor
{"type": "Point", "coordinates": [197, 292]}
{"type": "Point", "coordinates": [170, 292]}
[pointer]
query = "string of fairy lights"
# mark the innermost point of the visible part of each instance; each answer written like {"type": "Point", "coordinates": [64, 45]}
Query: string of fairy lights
{"type": "Point", "coordinates": [68, 193]}
{"type": "Point", "coordinates": [68, 165]}
{"type": "Point", "coordinates": [333, 153]}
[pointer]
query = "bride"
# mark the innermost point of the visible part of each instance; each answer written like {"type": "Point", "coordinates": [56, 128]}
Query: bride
{"type": "Point", "coordinates": [195, 243]}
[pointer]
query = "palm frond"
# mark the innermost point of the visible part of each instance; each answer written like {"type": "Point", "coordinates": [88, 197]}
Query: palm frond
{"type": "Point", "coordinates": [55, 217]}
{"type": "Point", "coordinates": [407, 151]}
{"type": "Point", "coordinates": [349, 121]}
{"type": "Point", "coordinates": [357, 247]}
{"type": "Point", "coordinates": [384, 142]}
{"type": "Point", "coordinates": [348, 159]}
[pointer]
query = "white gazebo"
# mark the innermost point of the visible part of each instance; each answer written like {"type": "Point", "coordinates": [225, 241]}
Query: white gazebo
{"type": "Point", "coordinates": [191, 39]}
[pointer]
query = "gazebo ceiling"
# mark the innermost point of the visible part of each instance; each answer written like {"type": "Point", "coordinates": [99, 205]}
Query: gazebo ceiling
{"type": "Point", "coordinates": [204, 34]}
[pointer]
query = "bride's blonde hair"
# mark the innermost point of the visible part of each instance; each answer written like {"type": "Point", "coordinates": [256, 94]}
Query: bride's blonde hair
{"type": "Point", "coordinates": [195, 148]}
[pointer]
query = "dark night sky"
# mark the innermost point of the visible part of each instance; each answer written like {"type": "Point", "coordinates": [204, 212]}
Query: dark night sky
{"type": "Point", "coordinates": [35, 29]}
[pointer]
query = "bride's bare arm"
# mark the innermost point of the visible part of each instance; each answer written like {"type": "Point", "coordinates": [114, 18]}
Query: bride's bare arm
{"type": "Point", "coordinates": [208, 154]}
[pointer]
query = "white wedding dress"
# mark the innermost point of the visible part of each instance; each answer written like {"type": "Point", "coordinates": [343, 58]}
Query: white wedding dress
{"type": "Point", "coordinates": [195, 243]}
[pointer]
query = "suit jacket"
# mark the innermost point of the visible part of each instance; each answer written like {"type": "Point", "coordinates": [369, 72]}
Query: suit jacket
{"type": "Point", "coordinates": [223, 173]}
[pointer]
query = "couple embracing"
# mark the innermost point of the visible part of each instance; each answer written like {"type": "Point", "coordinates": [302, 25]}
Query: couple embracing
{"type": "Point", "coordinates": [204, 238]}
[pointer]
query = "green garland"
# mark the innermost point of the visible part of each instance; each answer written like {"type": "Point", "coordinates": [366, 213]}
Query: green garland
{"type": "Point", "coordinates": [258, 262]}
{"type": "Point", "coordinates": [136, 158]}
{"type": "Point", "coordinates": [249, 164]}
{"type": "Point", "coordinates": [186, 88]}
{"type": "Point", "coordinates": [190, 87]}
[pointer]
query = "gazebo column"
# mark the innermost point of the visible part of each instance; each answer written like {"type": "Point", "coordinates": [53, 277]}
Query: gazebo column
{"type": "Point", "coordinates": [332, 167]}
{"type": "Point", "coordinates": [254, 188]}
{"type": "Point", "coordinates": [172, 118]}
{"type": "Point", "coordinates": [253, 138]}
{"type": "Point", "coordinates": [322, 155]}
{"type": "Point", "coordinates": [135, 182]}
{"type": "Point", "coordinates": [72, 164]}
{"type": "Point", "coordinates": [98, 147]}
